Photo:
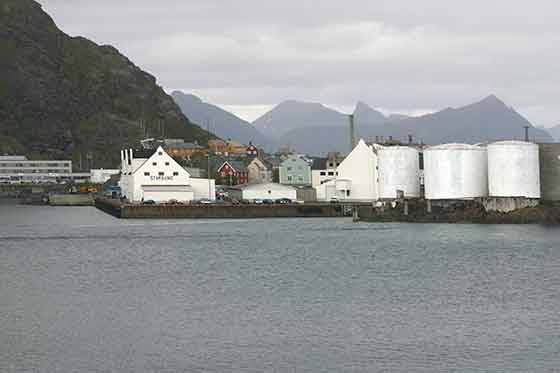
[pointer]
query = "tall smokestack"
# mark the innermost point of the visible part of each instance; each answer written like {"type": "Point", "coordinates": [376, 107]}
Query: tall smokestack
{"type": "Point", "coordinates": [526, 133]}
{"type": "Point", "coordinates": [352, 135]}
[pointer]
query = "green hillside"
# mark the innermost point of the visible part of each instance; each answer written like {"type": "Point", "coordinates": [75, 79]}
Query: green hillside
{"type": "Point", "coordinates": [63, 96]}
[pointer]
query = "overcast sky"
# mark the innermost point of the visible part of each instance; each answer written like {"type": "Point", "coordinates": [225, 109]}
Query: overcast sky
{"type": "Point", "coordinates": [395, 55]}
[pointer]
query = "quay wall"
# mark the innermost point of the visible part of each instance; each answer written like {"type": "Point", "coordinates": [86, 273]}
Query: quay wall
{"type": "Point", "coordinates": [71, 200]}
{"type": "Point", "coordinates": [218, 211]}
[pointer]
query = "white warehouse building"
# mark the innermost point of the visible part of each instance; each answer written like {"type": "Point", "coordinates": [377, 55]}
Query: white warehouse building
{"type": "Point", "coordinates": [356, 180]}
{"type": "Point", "coordinates": [273, 191]}
{"type": "Point", "coordinates": [160, 178]}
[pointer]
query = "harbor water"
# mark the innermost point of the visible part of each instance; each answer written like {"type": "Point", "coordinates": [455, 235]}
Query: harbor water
{"type": "Point", "coordinates": [81, 291]}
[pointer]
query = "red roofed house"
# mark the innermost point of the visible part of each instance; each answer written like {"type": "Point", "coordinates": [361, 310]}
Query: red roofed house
{"type": "Point", "coordinates": [233, 172]}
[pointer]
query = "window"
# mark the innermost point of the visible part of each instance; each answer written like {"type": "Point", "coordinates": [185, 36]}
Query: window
{"type": "Point", "coordinates": [331, 173]}
{"type": "Point", "coordinates": [167, 163]}
{"type": "Point", "coordinates": [161, 173]}
{"type": "Point", "coordinates": [154, 163]}
{"type": "Point", "coordinates": [289, 178]}
{"type": "Point", "coordinates": [331, 164]}
{"type": "Point", "coordinates": [336, 173]}
{"type": "Point", "coordinates": [300, 178]}
{"type": "Point", "coordinates": [175, 173]}
{"type": "Point", "coordinates": [323, 173]}
{"type": "Point", "coordinates": [160, 153]}
{"type": "Point", "coordinates": [288, 169]}
{"type": "Point", "coordinates": [146, 174]}
{"type": "Point", "coordinates": [347, 193]}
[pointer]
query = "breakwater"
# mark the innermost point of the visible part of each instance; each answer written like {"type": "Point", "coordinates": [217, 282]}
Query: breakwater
{"type": "Point", "coordinates": [473, 212]}
{"type": "Point", "coordinates": [220, 211]}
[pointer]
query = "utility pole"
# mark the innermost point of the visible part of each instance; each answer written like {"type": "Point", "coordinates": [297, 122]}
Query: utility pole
{"type": "Point", "coordinates": [352, 135]}
{"type": "Point", "coordinates": [208, 157]}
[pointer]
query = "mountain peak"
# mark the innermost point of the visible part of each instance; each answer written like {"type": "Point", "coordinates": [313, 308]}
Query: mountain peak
{"type": "Point", "coordinates": [492, 100]}
{"type": "Point", "coordinates": [185, 96]}
{"type": "Point", "coordinates": [366, 114]}
{"type": "Point", "coordinates": [223, 123]}
{"type": "Point", "coordinates": [293, 114]}
{"type": "Point", "coordinates": [67, 120]}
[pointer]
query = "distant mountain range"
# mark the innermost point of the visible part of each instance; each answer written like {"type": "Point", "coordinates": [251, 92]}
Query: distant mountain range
{"type": "Point", "coordinates": [316, 129]}
{"type": "Point", "coordinates": [221, 122]}
{"type": "Point", "coordinates": [554, 132]}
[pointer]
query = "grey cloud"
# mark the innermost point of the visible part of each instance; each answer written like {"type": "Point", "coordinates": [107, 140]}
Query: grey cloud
{"type": "Point", "coordinates": [390, 54]}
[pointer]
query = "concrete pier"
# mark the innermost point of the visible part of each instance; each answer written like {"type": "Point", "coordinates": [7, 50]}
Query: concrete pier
{"type": "Point", "coordinates": [218, 211]}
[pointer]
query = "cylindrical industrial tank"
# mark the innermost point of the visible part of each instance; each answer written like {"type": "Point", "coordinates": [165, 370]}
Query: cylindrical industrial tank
{"type": "Point", "coordinates": [398, 169]}
{"type": "Point", "coordinates": [455, 171]}
{"type": "Point", "coordinates": [513, 169]}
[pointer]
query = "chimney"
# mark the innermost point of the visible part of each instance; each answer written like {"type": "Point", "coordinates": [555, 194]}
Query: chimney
{"type": "Point", "coordinates": [526, 133]}
{"type": "Point", "coordinates": [377, 139]}
{"type": "Point", "coordinates": [390, 138]}
{"type": "Point", "coordinates": [409, 139]}
{"type": "Point", "coordinates": [352, 135]}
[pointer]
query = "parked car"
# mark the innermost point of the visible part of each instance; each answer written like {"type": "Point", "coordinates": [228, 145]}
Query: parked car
{"type": "Point", "coordinates": [204, 201]}
{"type": "Point", "coordinates": [149, 202]}
{"type": "Point", "coordinates": [268, 201]}
{"type": "Point", "coordinates": [258, 201]}
{"type": "Point", "coordinates": [334, 199]}
{"type": "Point", "coordinates": [283, 201]}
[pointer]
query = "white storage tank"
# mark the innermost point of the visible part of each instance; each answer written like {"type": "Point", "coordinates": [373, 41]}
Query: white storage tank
{"type": "Point", "coordinates": [513, 169]}
{"type": "Point", "coordinates": [455, 171]}
{"type": "Point", "coordinates": [398, 169]}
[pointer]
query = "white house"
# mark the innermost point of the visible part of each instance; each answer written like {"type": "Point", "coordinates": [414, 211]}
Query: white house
{"type": "Point", "coordinates": [160, 178]}
{"type": "Point", "coordinates": [356, 180]}
{"type": "Point", "coordinates": [259, 172]}
{"type": "Point", "coordinates": [99, 176]}
{"type": "Point", "coordinates": [323, 169]}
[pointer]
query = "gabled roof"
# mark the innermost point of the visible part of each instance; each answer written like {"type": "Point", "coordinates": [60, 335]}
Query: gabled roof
{"type": "Point", "coordinates": [238, 166]}
{"type": "Point", "coordinates": [266, 165]}
{"type": "Point", "coordinates": [170, 159]}
{"type": "Point", "coordinates": [294, 158]}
